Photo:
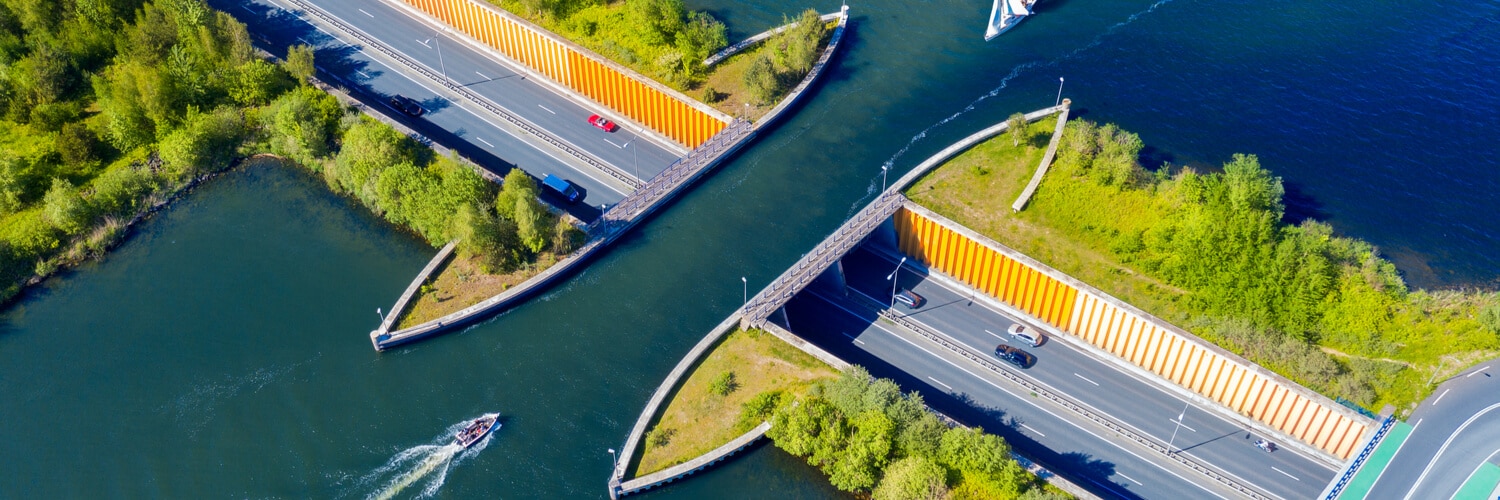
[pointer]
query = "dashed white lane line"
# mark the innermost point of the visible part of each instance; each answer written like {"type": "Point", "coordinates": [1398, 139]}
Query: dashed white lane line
{"type": "Point", "coordinates": [1284, 473]}
{"type": "Point", "coordinates": [1039, 433]}
{"type": "Point", "coordinates": [1479, 371]}
{"type": "Point", "coordinates": [424, 44]}
{"type": "Point", "coordinates": [1129, 478]}
{"type": "Point", "coordinates": [366, 13]}
{"type": "Point", "coordinates": [995, 334]}
{"type": "Point", "coordinates": [1440, 397]}
{"type": "Point", "coordinates": [1184, 426]}
{"type": "Point", "coordinates": [362, 73]}
{"type": "Point", "coordinates": [1086, 379]}
{"type": "Point", "coordinates": [545, 108]}
{"type": "Point", "coordinates": [613, 142]}
{"type": "Point", "coordinates": [945, 386]}
{"type": "Point", "coordinates": [247, 9]}
{"type": "Point", "coordinates": [855, 339]}
{"type": "Point", "coordinates": [487, 143]}
{"type": "Point", "coordinates": [1033, 404]}
{"type": "Point", "coordinates": [481, 75]}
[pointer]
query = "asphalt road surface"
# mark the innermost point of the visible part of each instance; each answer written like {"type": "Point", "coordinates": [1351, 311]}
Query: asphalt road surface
{"type": "Point", "coordinates": [476, 133]}
{"type": "Point", "coordinates": [1453, 433]}
{"type": "Point", "coordinates": [1128, 399]}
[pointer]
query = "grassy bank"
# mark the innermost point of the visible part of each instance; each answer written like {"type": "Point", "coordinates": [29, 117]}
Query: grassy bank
{"type": "Point", "coordinates": [1209, 251]}
{"type": "Point", "coordinates": [462, 282]}
{"type": "Point", "coordinates": [705, 411]}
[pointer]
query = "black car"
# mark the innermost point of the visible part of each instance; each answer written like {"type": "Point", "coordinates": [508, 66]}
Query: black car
{"type": "Point", "coordinates": [910, 299]}
{"type": "Point", "coordinates": [407, 105]}
{"type": "Point", "coordinates": [1015, 356]}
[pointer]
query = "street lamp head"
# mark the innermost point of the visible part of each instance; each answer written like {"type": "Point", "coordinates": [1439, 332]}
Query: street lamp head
{"type": "Point", "coordinates": [611, 450]}
{"type": "Point", "coordinates": [903, 261]}
{"type": "Point", "coordinates": [742, 278]}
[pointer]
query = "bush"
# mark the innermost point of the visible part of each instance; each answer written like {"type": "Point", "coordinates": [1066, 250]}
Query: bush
{"type": "Point", "coordinates": [660, 436]}
{"type": "Point", "coordinates": [760, 408]}
{"type": "Point", "coordinates": [913, 478]}
{"type": "Point", "coordinates": [65, 209]}
{"type": "Point", "coordinates": [723, 385]}
{"type": "Point", "coordinates": [1490, 316]}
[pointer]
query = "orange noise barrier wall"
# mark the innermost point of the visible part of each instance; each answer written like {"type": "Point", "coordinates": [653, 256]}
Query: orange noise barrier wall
{"type": "Point", "coordinates": [575, 68]}
{"type": "Point", "coordinates": [1148, 342]}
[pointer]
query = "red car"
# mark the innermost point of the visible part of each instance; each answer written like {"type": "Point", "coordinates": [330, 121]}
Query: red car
{"type": "Point", "coordinates": [602, 123]}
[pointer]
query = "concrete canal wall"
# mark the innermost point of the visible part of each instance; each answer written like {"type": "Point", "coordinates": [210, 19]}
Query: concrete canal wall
{"type": "Point", "coordinates": [1117, 330]}
{"type": "Point", "coordinates": [668, 112]}
{"type": "Point", "coordinates": [636, 207]}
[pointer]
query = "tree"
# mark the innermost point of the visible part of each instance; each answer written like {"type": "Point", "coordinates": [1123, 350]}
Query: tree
{"type": "Point", "coordinates": [12, 182]}
{"type": "Point", "coordinates": [866, 452]}
{"type": "Point", "coordinates": [655, 21]}
{"type": "Point", "coordinates": [303, 123]}
{"type": "Point", "coordinates": [64, 208]}
{"type": "Point", "coordinates": [531, 224]}
{"type": "Point", "coordinates": [480, 235]}
{"type": "Point", "coordinates": [1016, 128]}
{"type": "Point", "coordinates": [118, 190]}
{"type": "Point", "coordinates": [913, 478]}
{"type": "Point", "coordinates": [982, 461]}
{"type": "Point", "coordinates": [799, 45]}
{"type": "Point", "coordinates": [761, 79]}
{"type": "Point", "coordinates": [368, 147]}
{"type": "Point", "coordinates": [700, 37]}
{"type": "Point", "coordinates": [299, 62]}
{"type": "Point", "coordinates": [255, 82]}
{"type": "Point", "coordinates": [516, 186]}
{"type": "Point", "coordinates": [78, 146]}
{"type": "Point", "coordinates": [810, 427]}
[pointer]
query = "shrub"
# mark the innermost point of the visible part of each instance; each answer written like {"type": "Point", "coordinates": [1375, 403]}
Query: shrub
{"type": "Point", "coordinates": [65, 209]}
{"type": "Point", "coordinates": [660, 436]}
{"type": "Point", "coordinates": [723, 385]}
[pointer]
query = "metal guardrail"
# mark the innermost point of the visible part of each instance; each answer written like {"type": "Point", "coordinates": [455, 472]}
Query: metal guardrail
{"type": "Point", "coordinates": [1338, 487]}
{"type": "Point", "coordinates": [464, 92]}
{"type": "Point", "coordinates": [1070, 405]}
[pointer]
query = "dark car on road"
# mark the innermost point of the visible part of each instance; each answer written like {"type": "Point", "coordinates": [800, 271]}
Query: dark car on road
{"type": "Point", "coordinates": [562, 187]}
{"type": "Point", "coordinates": [910, 299]}
{"type": "Point", "coordinates": [1015, 356]}
{"type": "Point", "coordinates": [407, 105]}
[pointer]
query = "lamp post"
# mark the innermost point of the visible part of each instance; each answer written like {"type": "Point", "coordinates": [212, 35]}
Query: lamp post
{"type": "Point", "coordinates": [1179, 426]}
{"type": "Point", "coordinates": [614, 462]}
{"type": "Point", "coordinates": [892, 278]}
{"type": "Point", "coordinates": [884, 171]}
{"type": "Point", "coordinates": [439, 46]}
{"type": "Point", "coordinates": [635, 157]}
{"type": "Point", "coordinates": [1059, 91]}
{"type": "Point", "coordinates": [744, 291]}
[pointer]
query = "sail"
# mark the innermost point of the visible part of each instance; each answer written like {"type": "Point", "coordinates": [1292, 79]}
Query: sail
{"type": "Point", "coordinates": [1018, 8]}
{"type": "Point", "coordinates": [997, 17]}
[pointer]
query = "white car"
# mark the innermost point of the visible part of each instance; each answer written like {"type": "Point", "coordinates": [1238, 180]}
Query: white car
{"type": "Point", "coordinates": [1028, 335]}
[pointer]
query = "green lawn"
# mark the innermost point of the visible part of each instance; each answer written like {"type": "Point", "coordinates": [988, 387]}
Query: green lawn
{"type": "Point", "coordinates": [698, 420]}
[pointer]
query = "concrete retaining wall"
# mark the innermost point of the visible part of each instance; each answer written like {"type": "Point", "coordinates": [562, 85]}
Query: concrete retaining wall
{"type": "Point", "coordinates": [1150, 346]}
{"type": "Point", "coordinates": [1041, 170]}
{"type": "Point", "coordinates": [758, 37]}
{"type": "Point", "coordinates": [411, 290]}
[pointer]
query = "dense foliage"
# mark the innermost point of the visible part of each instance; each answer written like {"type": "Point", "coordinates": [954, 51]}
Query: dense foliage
{"type": "Point", "coordinates": [109, 106]}
{"type": "Point", "coordinates": [1272, 291]}
{"type": "Point", "coordinates": [790, 57]}
{"type": "Point", "coordinates": [660, 38]}
{"type": "Point", "coordinates": [870, 438]}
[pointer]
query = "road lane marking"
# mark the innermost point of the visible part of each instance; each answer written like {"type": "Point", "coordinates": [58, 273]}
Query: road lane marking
{"type": "Point", "coordinates": [1184, 426]}
{"type": "Point", "coordinates": [1086, 379]}
{"type": "Point", "coordinates": [1028, 401]}
{"type": "Point", "coordinates": [367, 13]}
{"type": "Point", "coordinates": [1001, 338]}
{"type": "Point", "coordinates": [424, 44]}
{"type": "Point", "coordinates": [1442, 449]}
{"type": "Point", "coordinates": [855, 339]}
{"type": "Point", "coordinates": [362, 73]}
{"type": "Point", "coordinates": [487, 143]}
{"type": "Point", "coordinates": [1476, 470]}
{"type": "Point", "coordinates": [247, 9]}
{"type": "Point", "coordinates": [548, 110]}
{"type": "Point", "coordinates": [950, 389]}
{"type": "Point", "coordinates": [1414, 426]}
{"type": "Point", "coordinates": [1284, 473]}
{"type": "Point", "coordinates": [481, 75]}
{"type": "Point", "coordinates": [613, 142]}
{"type": "Point", "coordinates": [1130, 478]}
{"type": "Point", "coordinates": [1479, 371]}
{"type": "Point", "coordinates": [1440, 397]}
{"type": "Point", "coordinates": [1039, 433]}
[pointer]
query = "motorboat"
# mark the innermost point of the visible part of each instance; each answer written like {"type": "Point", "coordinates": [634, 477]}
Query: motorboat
{"type": "Point", "coordinates": [477, 430]}
{"type": "Point", "coordinates": [1006, 14]}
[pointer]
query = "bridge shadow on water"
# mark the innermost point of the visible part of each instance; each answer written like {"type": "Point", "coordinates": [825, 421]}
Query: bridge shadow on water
{"type": "Point", "coordinates": [810, 319]}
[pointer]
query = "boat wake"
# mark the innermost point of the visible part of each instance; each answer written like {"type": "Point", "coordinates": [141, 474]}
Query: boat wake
{"type": "Point", "coordinates": [425, 466]}
{"type": "Point", "coordinates": [1004, 82]}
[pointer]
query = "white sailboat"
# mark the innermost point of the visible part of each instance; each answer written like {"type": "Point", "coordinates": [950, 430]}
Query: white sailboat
{"type": "Point", "coordinates": [1005, 15]}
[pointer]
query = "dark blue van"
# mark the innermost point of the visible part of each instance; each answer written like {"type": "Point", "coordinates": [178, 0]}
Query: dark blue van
{"type": "Point", "coordinates": [562, 187]}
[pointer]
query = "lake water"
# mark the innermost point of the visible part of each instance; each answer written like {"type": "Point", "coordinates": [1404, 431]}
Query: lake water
{"type": "Point", "coordinates": [222, 350]}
